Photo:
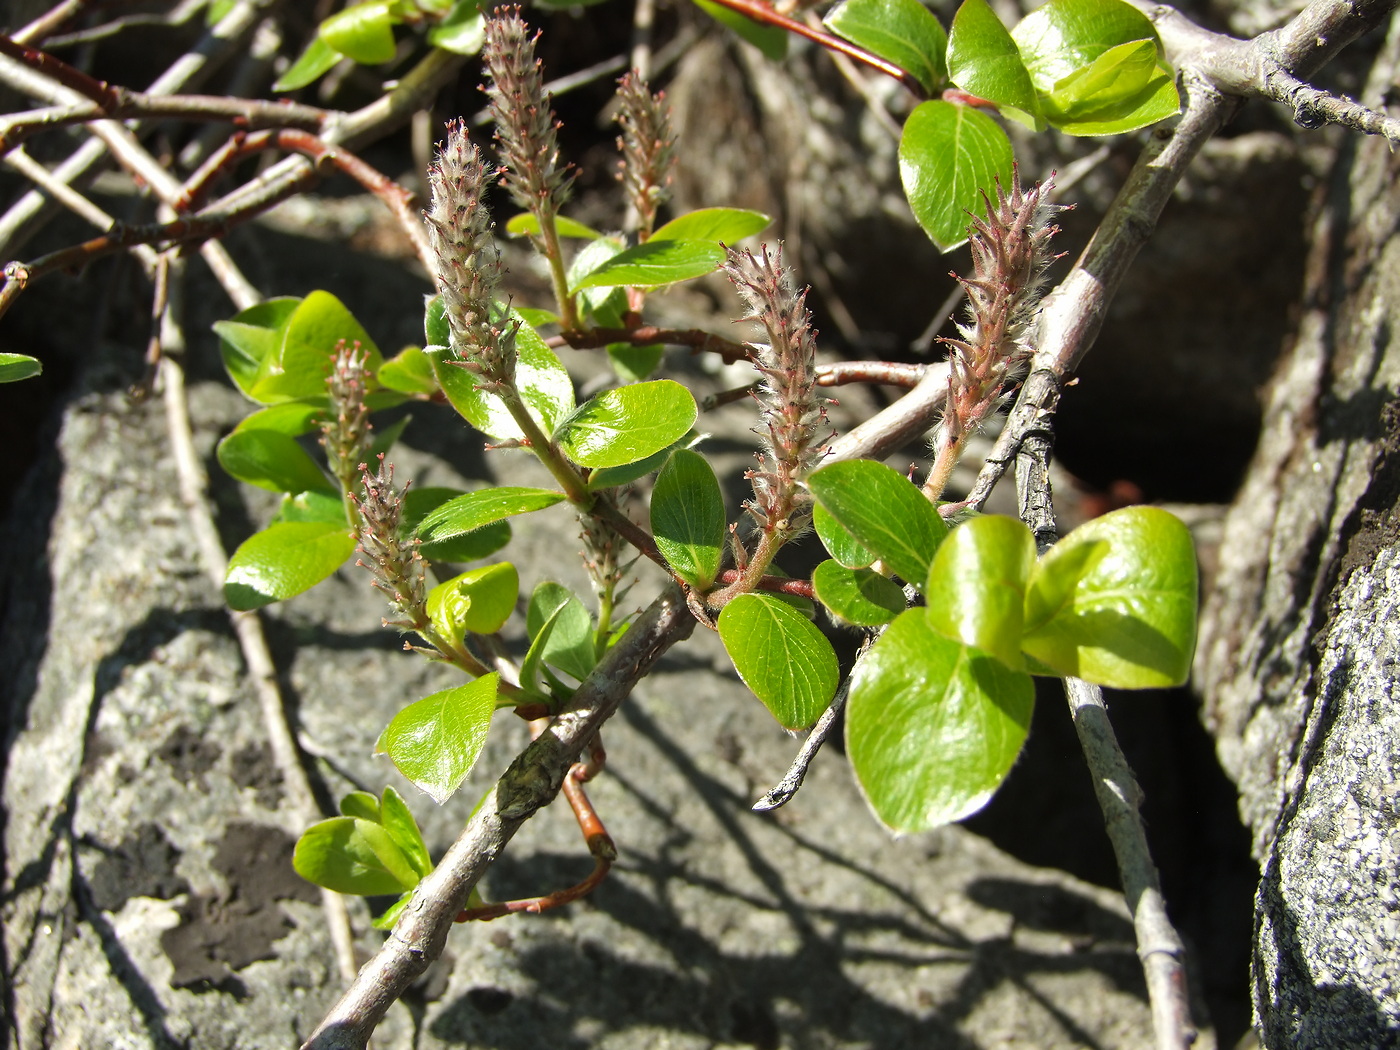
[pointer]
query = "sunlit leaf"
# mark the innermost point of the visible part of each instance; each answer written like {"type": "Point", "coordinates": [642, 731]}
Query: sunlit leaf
{"type": "Point", "coordinates": [468, 546]}
{"type": "Point", "coordinates": [627, 424]}
{"type": "Point", "coordinates": [903, 31]}
{"type": "Point", "coordinates": [949, 155]}
{"type": "Point", "coordinates": [302, 360]}
{"type": "Point", "coordinates": [524, 223]}
{"type": "Point", "coordinates": [14, 367]}
{"type": "Point", "coordinates": [977, 585]}
{"type": "Point", "coordinates": [478, 601]}
{"type": "Point", "coordinates": [569, 645]}
{"type": "Point", "coordinates": [284, 560]}
{"type": "Point", "coordinates": [270, 460]}
{"type": "Point", "coordinates": [655, 264]}
{"type": "Point", "coordinates": [770, 40]}
{"type": "Point", "coordinates": [352, 855]}
{"type": "Point", "coordinates": [729, 225]}
{"type": "Point", "coordinates": [435, 741]}
{"type": "Point", "coordinates": [364, 32]}
{"type": "Point", "coordinates": [462, 31]}
{"type": "Point", "coordinates": [318, 59]}
{"type": "Point", "coordinates": [858, 596]}
{"type": "Point", "coordinates": [781, 656]}
{"type": "Point", "coordinates": [839, 543]}
{"type": "Point", "coordinates": [473, 510]}
{"type": "Point", "coordinates": [687, 518]}
{"type": "Point", "coordinates": [984, 61]}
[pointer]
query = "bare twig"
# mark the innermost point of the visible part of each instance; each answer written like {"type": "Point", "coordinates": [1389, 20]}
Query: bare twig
{"type": "Point", "coordinates": [888, 373]}
{"type": "Point", "coordinates": [908, 419]}
{"type": "Point", "coordinates": [647, 334]}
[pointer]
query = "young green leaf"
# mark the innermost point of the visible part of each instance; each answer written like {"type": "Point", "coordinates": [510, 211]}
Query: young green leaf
{"type": "Point", "coordinates": [479, 601]}
{"type": "Point", "coordinates": [903, 31]}
{"type": "Point", "coordinates": [361, 804]}
{"type": "Point", "coordinates": [470, 546]}
{"type": "Point", "coordinates": [627, 424]}
{"type": "Point", "coordinates": [687, 518]}
{"type": "Point", "coordinates": [435, 741]}
{"type": "Point", "coordinates": [714, 224]}
{"type": "Point", "coordinates": [1125, 88]}
{"type": "Point", "coordinates": [270, 461]}
{"type": "Point", "coordinates": [252, 335]}
{"type": "Point", "coordinates": [284, 560]}
{"type": "Point", "coordinates": [632, 364]}
{"type": "Point", "coordinates": [411, 372]}
{"type": "Point", "coordinates": [323, 506]}
{"type": "Point", "coordinates": [858, 596]}
{"type": "Point", "coordinates": [524, 223]}
{"type": "Point", "coordinates": [604, 305]}
{"type": "Point", "coordinates": [391, 914]}
{"type": "Point", "coordinates": [932, 726]}
{"type": "Point", "coordinates": [302, 360]}
{"type": "Point", "coordinates": [983, 60]}
{"type": "Point", "coordinates": [1114, 602]}
{"type": "Point", "coordinates": [462, 31]}
{"type": "Point", "coordinates": [1062, 36]}
{"type": "Point", "coordinates": [14, 367]}
{"type": "Point", "coordinates": [781, 656]}
{"type": "Point", "coordinates": [884, 511]}
{"type": "Point", "coordinates": [655, 264]}
{"type": "Point", "coordinates": [611, 477]}
{"type": "Point", "coordinates": [318, 59]}
{"type": "Point", "coordinates": [977, 586]}
{"type": "Point", "coordinates": [351, 855]}
{"type": "Point", "coordinates": [770, 40]}
{"type": "Point", "coordinates": [839, 543]}
{"type": "Point", "coordinates": [292, 418]}
{"type": "Point", "coordinates": [949, 155]}
{"type": "Point", "coordinates": [398, 821]}
{"type": "Point", "coordinates": [569, 644]}
{"type": "Point", "coordinates": [543, 382]}
{"type": "Point", "coordinates": [473, 510]}
{"type": "Point", "coordinates": [364, 32]}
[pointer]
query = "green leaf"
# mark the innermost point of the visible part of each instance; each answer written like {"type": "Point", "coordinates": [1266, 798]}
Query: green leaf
{"type": "Point", "coordinates": [351, 855]}
{"type": "Point", "coordinates": [569, 645]}
{"type": "Point", "coordinates": [14, 367]}
{"type": "Point", "coordinates": [770, 40]}
{"type": "Point", "coordinates": [292, 418]}
{"type": "Point", "coordinates": [949, 155]}
{"type": "Point", "coordinates": [467, 513]}
{"type": "Point", "coordinates": [471, 546]}
{"type": "Point", "coordinates": [903, 31]}
{"type": "Point", "coordinates": [611, 477]}
{"type": "Point", "coordinates": [411, 372]}
{"type": "Point", "coordinates": [714, 224]}
{"type": "Point", "coordinates": [627, 424]}
{"type": "Point", "coordinates": [270, 461]}
{"type": "Point", "coordinates": [252, 335]}
{"type": "Point", "coordinates": [604, 305]}
{"type": "Point", "coordinates": [537, 318]}
{"type": "Point", "coordinates": [435, 741]}
{"type": "Point", "coordinates": [655, 264]}
{"type": "Point", "coordinates": [392, 913]}
{"type": "Point", "coordinates": [361, 804]}
{"type": "Point", "coordinates": [1114, 602]}
{"type": "Point", "coordinates": [398, 821]}
{"type": "Point", "coordinates": [884, 511]}
{"type": "Point", "coordinates": [1062, 36]}
{"type": "Point", "coordinates": [977, 586]}
{"type": "Point", "coordinates": [932, 726]}
{"type": "Point", "coordinates": [312, 506]}
{"type": "Point", "coordinates": [284, 560]}
{"type": "Point", "coordinates": [318, 59]}
{"type": "Point", "coordinates": [302, 361]}
{"type": "Point", "coordinates": [858, 596]}
{"type": "Point", "coordinates": [1125, 88]}
{"type": "Point", "coordinates": [364, 32]}
{"type": "Point", "coordinates": [687, 518]}
{"type": "Point", "coordinates": [462, 31]}
{"type": "Point", "coordinates": [524, 223]}
{"type": "Point", "coordinates": [781, 656]}
{"type": "Point", "coordinates": [632, 364]}
{"type": "Point", "coordinates": [839, 543]}
{"type": "Point", "coordinates": [543, 382]}
{"type": "Point", "coordinates": [436, 331]}
{"type": "Point", "coordinates": [984, 61]}
{"type": "Point", "coordinates": [479, 601]}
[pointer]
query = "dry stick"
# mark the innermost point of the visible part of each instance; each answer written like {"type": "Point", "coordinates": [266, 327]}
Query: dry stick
{"type": "Point", "coordinates": [194, 488]}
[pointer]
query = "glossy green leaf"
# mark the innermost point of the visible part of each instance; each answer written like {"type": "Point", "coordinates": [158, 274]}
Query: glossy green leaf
{"type": "Point", "coordinates": [361, 804]}
{"type": "Point", "coordinates": [436, 331]}
{"type": "Point", "coordinates": [524, 223]}
{"type": "Point", "coordinates": [1126, 88]}
{"type": "Point", "coordinates": [569, 645]}
{"type": "Point", "coordinates": [858, 596]}
{"type": "Point", "coordinates": [410, 372]}
{"type": "Point", "coordinates": [884, 511]}
{"type": "Point", "coordinates": [977, 585]}
{"type": "Point", "coordinates": [903, 31]}
{"type": "Point", "coordinates": [318, 59]}
{"type": "Point", "coordinates": [770, 40]}
{"type": "Point", "coordinates": [284, 560]}
{"type": "Point", "coordinates": [252, 335]}
{"type": "Point", "coordinates": [781, 656]}
{"type": "Point", "coordinates": [729, 225]}
{"type": "Point", "coordinates": [632, 364]}
{"type": "Point", "coordinates": [604, 306]}
{"type": "Point", "coordinates": [14, 367]}
{"type": "Point", "coordinates": [292, 418]}
{"type": "Point", "coordinates": [1114, 602]}
{"type": "Point", "coordinates": [655, 264]}
{"type": "Point", "coordinates": [364, 32]}
{"type": "Point", "coordinates": [478, 601]}
{"type": "Point", "coordinates": [949, 155]}
{"type": "Point", "coordinates": [541, 378]}
{"type": "Point", "coordinates": [302, 361]}
{"type": "Point", "coordinates": [270, 461]}
{"type": "Point", "coordinates": [470, 546]}
{"type": "Point", "coordinates": [467, 513]}
{"type": "Point", "coordinates": [398, 821]}
{"type": "Point", "coordinates": [839, 543]}
{"type": "Point", "coordinates": [932, 726]}
{"type": "Point", "coordinates": [984, 61]}
{"type": "Point", "coordinates": [321, 506]}
{"type": "Point", "coordinates": [687, 518]}
{"type": "Point", "coordinates": [462, 31]}
{"type": "Point", "coordinates": [537, 318]}
{"type": "Point", "coordinates": [352, 855]}
{"type": "Point", "coordinates": [1062, 36]}
{"type": "Point", "coordinates": [611, 477]}
{"type": "Point", "coordinates": [435, 741]}
{"type": "Point", "coordinates": [627, 424]}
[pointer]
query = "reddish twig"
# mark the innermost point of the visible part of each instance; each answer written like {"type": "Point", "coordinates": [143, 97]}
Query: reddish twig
{"type": "Point", "coordinates": [888, 373]}
{"type": "Point", "coordinates": [773, 584]}
{"type": "Point", "coordinates": [645, 335]}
